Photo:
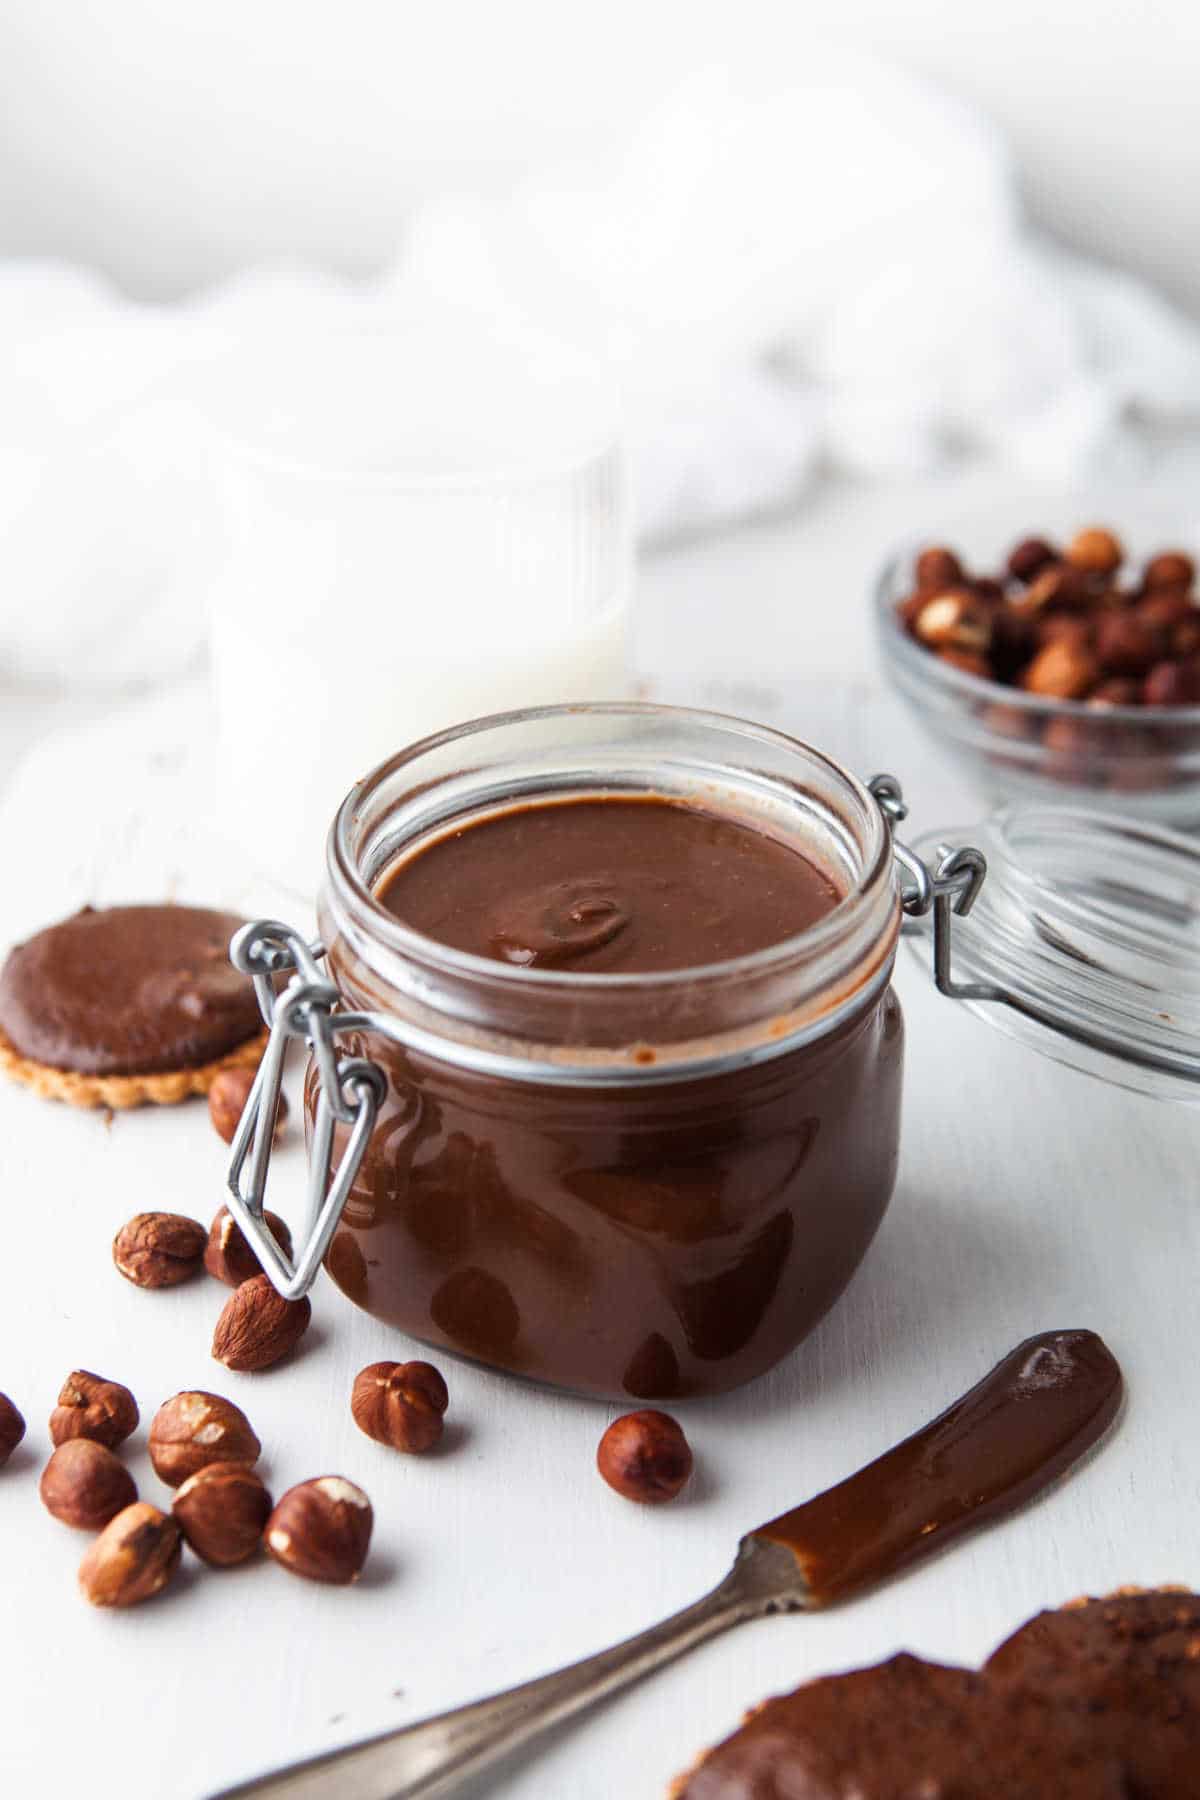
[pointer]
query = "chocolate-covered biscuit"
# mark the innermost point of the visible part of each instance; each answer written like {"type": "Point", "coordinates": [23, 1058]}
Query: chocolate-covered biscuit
{"type": "Point", "coordinates": [1099, 1701]}
{"type": "Point", "coordinates": [908, 1730]}
{"type": "Point", "coordinates": [1131, 1662]}
{"type": "Point", "coordinates": [127, 1004]}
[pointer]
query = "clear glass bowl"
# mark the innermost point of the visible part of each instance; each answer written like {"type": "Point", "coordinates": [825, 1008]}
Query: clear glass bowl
{"type": "Point", "coordinates": [1129, 759]}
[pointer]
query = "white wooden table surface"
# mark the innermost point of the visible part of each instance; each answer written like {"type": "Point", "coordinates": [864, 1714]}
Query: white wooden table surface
{"type": "Point", "coordinates": [1028, 1197]}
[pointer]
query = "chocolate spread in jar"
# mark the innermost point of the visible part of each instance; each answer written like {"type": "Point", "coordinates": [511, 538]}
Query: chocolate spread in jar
{"type": "Point", "coordinates": [620, 887]}
{"type": "Point", "coordinates": [646, 1238]}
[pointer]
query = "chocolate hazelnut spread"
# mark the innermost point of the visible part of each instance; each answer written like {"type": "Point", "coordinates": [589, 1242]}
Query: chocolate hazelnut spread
{"type": "Point", "coordinates": [609, 886]}
{"type": "Point", "coordinates": [650, 1238]}
{"type": "Point", "coordinates": [128, 990]}
{"type": "Point", "coordinates": [1024, 1424]}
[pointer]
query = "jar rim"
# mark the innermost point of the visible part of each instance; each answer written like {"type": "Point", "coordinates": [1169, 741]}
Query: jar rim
{"type": "Point", "coordinates": [343, 870]}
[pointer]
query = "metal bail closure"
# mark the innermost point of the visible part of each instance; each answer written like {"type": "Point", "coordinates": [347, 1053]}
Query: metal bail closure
{"type": "Point", "coordinates": [350, 1091]}
{"type": "Point", "coordinates": [949, 890]}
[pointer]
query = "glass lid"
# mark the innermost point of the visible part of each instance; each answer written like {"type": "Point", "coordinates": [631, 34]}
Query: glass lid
{"type": "Point", "coordinates": [1083, 941]}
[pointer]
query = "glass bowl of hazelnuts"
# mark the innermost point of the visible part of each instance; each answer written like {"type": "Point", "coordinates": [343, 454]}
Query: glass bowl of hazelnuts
{"type": "Point", "coordinates": [1072, 667]}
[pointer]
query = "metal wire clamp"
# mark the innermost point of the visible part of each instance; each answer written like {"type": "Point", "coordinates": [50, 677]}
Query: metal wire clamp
{"type": "Point", "coordinates": [950, 891]}
{"type": "Point", "coordinates": [350, 1091]}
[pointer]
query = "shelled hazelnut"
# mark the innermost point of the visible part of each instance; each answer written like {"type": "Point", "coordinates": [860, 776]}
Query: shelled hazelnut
{"type": "Point", "coordinates": [227, 1255]}
{"type": "Point", "coordinates": [12, 1428]}
{"type": "Point", "coordinates": [222, 1511]}
{"type": "Point", "coordinates": [321, 1529]}
{"type": "Point", "coordinates": [258, 1327]}
{"type": "Point", "coordinates": [645, 1457]}
{"type": "Point", "coordinates": [194, 1429]}
{"type": "Point", "coordinates": [159, 1249]}
{"type": "Point", "coordinates": [85, 1485]}
{"type": "Point", "coordinates": [91, 1407]}
{"type": "Point", "coordinates": [133, 1558]}
{"type": "Point", "coordinates": [400, 1404]}
{"type": "Point", "coordinates": [227, 1099]}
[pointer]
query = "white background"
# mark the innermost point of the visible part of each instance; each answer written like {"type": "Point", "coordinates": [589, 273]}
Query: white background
{"type": "Point", "coordinates": [170, 144]}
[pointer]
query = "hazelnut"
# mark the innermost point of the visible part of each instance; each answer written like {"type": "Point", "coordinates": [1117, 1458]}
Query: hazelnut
{"type": "Point", "coordinates": [1057, 585]}
{"type": "Point", "coordinates": [12, 1428]}
{"type": "Point", "coordinates": [84, 1485]}
{"type": "Point", "coordinates": [1169, 569]}
{"type": "Point", "coordinates": [194, 1429]}
{"type": "Point", "coordinates": [1029, 558]}
{"type": "Point", "coordinates": [1118, 690]}
{"type": "Point", "coordinates": [1063, 628]}
{"type": "Point", "coordinates": [955, 621]}
{"type": "Point", "coordinates": [133, 1558]}
{"type": "Point", "coordinates": [90, 1407]}
{"type": "Point", "coordinates": [1127, 644]}
{"type": "Point", "coordinates": [1172, 684]}
{"type": "Point", "coordinates": [937, 568]}
{"type": "Point", "coordinates": [222, 1510]}
{"type": "Point", "coordinates": [257, 1326]}
{"type": "Point", "coordinates": [227, 1099]}
{"type": "Point", "coordinates": [400, 1404]}
{"type": "Point", "coordinates": [645, 1457]}
{"type": "Point", "coordinates": [1095, 551]}
{"type": "Point", "coordinates": [988, 589]}
{"type": "Point", "coordinates": [228, 1256]}
{"type": "Point", "coordinates": [321, 1530]}
{"type": "Point", "coordinates": [1061, 671]}
{"type": "Point", "coordinates": [1185, 638]}
{"type": "Point", "coordinates": [159, 1249]}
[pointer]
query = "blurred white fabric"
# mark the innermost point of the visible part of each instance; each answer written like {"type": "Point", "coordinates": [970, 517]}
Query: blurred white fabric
{"type": "Point", "coordinates": [824, 269]}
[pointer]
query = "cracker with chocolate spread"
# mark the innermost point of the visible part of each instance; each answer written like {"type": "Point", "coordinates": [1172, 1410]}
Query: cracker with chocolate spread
{"type": "Point", "coordinates": [1098, 1701]}
{"type": "Point", "coordinates": [127, 1005]}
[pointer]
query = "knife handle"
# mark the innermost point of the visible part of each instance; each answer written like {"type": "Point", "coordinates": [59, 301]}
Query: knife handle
{"type": "Point", "coordinates": [432, 1757]}
{"type": "Point", "coordinates": [1019, 1429]}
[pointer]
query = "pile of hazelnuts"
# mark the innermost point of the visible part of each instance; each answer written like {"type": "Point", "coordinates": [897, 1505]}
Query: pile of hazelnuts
{"type": "Point", "coordinates": [1066, 624]}
{"type": "Point", "coordinates": [204, 1447]}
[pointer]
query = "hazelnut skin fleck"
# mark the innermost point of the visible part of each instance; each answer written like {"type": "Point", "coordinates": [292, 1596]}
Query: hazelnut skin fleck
{"type": "Point", "coordinates": [12, 1428]}
{"type": "Point", "coordinates": [644, 1456]}
{"type": "Point", "coordinates": [194, 1429]}
{"type": "Point", "coordinates": [227, 1255]}
{"type": "Point", "coordinates": [258, 1327]}
{"type": "Point", "coordinates": [133, 1558]}
{"type": "Point", "coordinates": [227, 1099]}
{"type": "Point", "coordinates": [90, 1407]}
{"type": "Point", "coordinates": [321, 1530]}
{"type": "Point", "coordinates": [400, 1404]}
{"type": "Point", "coordinates": [159, 1249]}
{"type": "Point", "coordinates": [222, 1510]}
{"type": "Point", "coordinates": [84, 1485]}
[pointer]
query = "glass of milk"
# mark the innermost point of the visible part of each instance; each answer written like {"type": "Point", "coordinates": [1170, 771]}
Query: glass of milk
{"type": "Point", "coordinates": [422, 525]}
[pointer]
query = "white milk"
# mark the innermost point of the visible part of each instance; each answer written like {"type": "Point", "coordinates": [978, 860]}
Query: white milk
{"type": "Point", "coordinates": [419, 531]}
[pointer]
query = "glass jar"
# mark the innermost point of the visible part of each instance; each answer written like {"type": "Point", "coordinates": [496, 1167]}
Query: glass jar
{"type": "Point", "coordinates": [655, 1185]}
{"type": "Point", "coordinates": [649, 1185]}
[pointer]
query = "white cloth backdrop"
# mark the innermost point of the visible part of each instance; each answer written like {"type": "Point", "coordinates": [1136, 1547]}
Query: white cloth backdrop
{"type": "Point", "coordinates": [826, 269]}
